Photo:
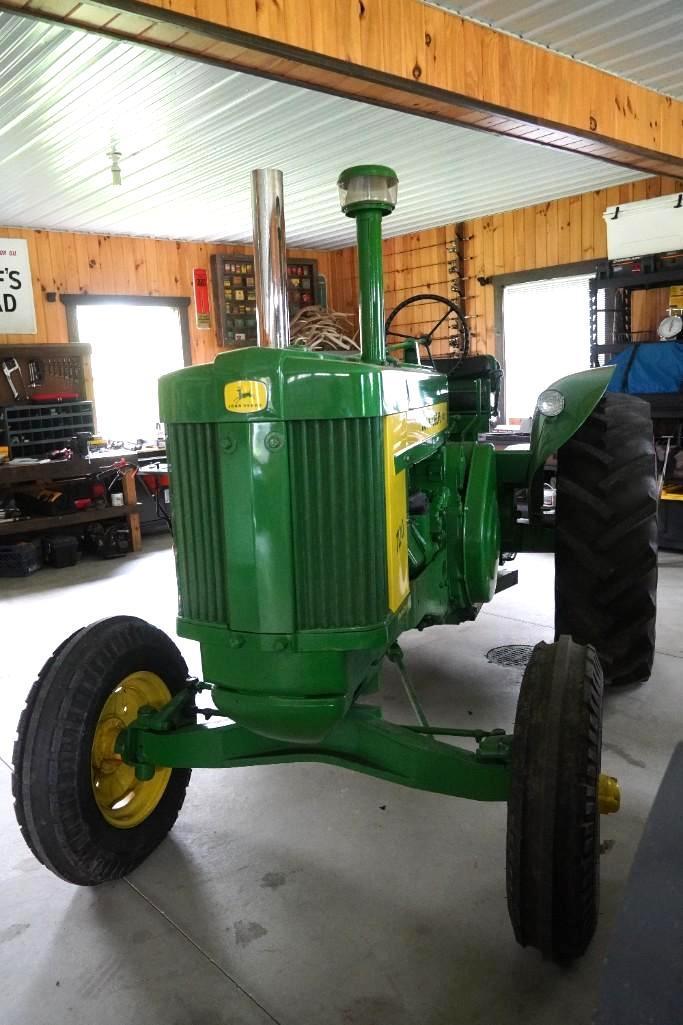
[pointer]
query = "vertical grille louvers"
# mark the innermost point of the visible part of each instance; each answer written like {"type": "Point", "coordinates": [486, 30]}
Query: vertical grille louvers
{"type": "Point", "coordinates": [198, 522]}
{"type": "Point", "coordinates": [338, 522]}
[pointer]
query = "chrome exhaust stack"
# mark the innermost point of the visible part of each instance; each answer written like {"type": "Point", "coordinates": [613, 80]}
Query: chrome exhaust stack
{"type": "Point", "coordinates": [270, 258]}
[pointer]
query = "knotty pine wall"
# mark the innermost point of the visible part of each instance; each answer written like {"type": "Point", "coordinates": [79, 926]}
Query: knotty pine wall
{"type": "Point", "coordinates": [413, 263]}
{"type": "Point", "coordinates": [550, 234]}
{"type": "Point", "coordinates": [120, 265]}
{"type": "Point", "coordinates": [564, 231]}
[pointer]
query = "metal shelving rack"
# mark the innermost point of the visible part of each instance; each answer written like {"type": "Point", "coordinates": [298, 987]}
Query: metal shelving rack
{"type": "Point", "coordinates": [615, 282]}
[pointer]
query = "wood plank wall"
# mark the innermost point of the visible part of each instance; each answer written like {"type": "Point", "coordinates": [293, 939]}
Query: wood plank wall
{"type": "Point", "coordinates": [413, 263]}
{"type": "Point", "coordinates": [120, 265]}
{"type": "Point", "coordinates": [564, 231]}
{"type": "Point", "coordinates": [547, 235]}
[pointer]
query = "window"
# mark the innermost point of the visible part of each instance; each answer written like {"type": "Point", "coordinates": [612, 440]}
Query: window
{"type": "Point", "coordinates": [546, 332]}
{"type": "Point", "coordinates": [132, 347]}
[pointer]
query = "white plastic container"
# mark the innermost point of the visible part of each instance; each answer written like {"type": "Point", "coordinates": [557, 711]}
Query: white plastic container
{"type": "Point", "coordinates": [649, 226]}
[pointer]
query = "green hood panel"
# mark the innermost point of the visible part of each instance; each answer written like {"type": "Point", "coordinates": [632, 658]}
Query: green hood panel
{"type": "Point", "coordinates": [300, 385]}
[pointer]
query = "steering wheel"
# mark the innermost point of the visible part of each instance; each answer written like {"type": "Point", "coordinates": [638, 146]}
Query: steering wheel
{"type": "Point", "coordinates": [460, 351]}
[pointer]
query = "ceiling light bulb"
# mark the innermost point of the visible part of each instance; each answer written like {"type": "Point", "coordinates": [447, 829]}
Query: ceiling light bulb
{"type": "Point", "coordinates": [115, 156]}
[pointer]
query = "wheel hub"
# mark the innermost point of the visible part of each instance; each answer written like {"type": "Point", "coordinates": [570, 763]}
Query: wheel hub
{"type": "Point", "coordinates": [609, 794]}
{"type": "Point", "coordinates": [124, 800]}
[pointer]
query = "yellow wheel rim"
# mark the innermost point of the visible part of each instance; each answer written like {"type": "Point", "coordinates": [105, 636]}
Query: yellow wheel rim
{"type": "Point", "coordinates": [124, 800]}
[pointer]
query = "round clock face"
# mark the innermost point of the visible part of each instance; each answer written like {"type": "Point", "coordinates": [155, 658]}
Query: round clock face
{"type": "Point", "coordinates": [670, 327]}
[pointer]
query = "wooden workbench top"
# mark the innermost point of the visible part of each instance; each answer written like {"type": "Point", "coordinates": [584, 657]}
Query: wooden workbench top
{"type": "Point", "coordinates": [63, 469]}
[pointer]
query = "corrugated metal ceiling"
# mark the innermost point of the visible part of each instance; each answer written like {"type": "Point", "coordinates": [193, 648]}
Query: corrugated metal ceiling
{"type": "Point", "coordinates": [641, 40]}
{"type": "Point", "coordinates": [189, 133]}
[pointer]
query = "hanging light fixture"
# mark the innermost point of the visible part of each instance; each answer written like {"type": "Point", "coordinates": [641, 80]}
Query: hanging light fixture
{"type": "Point", "coordinates": [114, 155]}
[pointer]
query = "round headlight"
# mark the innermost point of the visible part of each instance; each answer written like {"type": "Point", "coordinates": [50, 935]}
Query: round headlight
{"type": "Point", "coordinates": [367, 185]}
{"type": "Point", "coordinates": [550, 402]}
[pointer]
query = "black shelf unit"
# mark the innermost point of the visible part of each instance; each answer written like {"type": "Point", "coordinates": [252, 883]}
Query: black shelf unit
{"type": "Point", "coordinates": [614, 283]}
{"type": "Point", "coordinates": [35, 429]}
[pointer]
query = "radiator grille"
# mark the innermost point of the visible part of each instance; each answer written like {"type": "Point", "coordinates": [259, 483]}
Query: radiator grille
{"type": "Point", "coordinates": [198, 522]}
{"type": "Point", "coordinates": [337, 487]}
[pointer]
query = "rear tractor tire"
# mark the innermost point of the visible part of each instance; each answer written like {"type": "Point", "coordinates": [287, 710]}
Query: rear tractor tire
{"type": "Point", "coordinates": [80, 808]}
{"type": "Point", "coordinates": [606, 538]}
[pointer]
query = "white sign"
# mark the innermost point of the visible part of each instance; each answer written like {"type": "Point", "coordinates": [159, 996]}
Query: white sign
{"type": "Point", "coordinates": [17, 312]}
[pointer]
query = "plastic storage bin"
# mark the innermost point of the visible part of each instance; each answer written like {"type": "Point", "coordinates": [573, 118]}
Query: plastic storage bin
{"type": "Point", "coordinates": [20, 559]}
{"type": "Point", "coordinates": [648, 226]}
{"type": "Point", "coordinates": [60, 550]}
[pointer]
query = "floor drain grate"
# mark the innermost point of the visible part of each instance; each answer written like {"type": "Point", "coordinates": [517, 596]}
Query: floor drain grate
{"type": "Point", "coordinates": [510, 655]}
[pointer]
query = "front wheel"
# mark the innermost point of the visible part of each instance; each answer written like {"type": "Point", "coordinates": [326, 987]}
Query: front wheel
{"type": "Point", "coordinates": [606, 538]}
{"type": "Point", "coordinates": [553, 833]}
{"type": "Point", "coordinates": [81, 809]}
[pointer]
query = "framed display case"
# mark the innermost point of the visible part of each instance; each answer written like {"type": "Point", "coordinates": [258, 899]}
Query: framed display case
{"type": "Point", "coordinates": [235, 295]}
{"type": "Point", "coordinates": [302, 281]}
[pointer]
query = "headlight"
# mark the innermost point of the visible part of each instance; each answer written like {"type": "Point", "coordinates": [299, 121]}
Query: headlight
{"type": "Point", "coordinates": [550, 402]}
{"type": "Point", "coordinates": [367, 185]}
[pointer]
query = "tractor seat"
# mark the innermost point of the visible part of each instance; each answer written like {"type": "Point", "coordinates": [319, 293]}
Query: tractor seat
{"type": "Point", "coordinates": [472, 366]}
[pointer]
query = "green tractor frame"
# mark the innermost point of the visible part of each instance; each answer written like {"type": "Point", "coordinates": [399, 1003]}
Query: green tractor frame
{"type": "Point", "coordinates": [323, 504]}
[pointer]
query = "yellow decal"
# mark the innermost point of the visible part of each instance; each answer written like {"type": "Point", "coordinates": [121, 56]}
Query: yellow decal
{"type": "Point", "coordinates": [418, 425]}
{"type": "Point", "coordinates": [396, 500]}
{"type": "Point", "coordinates": [403, 431]}
{"type": "Point", "coordinates": [246, 396]}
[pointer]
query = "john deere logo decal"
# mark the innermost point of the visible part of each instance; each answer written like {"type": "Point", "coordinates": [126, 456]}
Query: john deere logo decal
{"type": "Point", "coordinates": [246, 396]}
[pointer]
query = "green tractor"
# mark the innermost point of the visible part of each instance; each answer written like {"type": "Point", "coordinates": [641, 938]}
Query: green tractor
{"type": "Point", "coordinates": [323, 504]}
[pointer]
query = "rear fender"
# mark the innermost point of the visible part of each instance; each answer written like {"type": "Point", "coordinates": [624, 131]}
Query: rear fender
{"type": "Point", "coordinates": [581, 393]}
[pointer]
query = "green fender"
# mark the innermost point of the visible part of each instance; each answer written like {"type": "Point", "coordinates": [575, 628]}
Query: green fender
{"type": "Point", "coordinates": [581, 392]}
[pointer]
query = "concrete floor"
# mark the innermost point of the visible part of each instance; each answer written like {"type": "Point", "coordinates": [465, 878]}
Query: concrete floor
{"type": "Point", "coordinates": [307, 895]}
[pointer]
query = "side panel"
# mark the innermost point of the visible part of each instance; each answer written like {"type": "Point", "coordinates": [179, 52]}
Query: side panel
{"type": "Point", "coordinates": [396, 502]}
{"type": "Point", "coordinates": [257, 526]}
{"type": "Point", "coordinates": [405, 435]}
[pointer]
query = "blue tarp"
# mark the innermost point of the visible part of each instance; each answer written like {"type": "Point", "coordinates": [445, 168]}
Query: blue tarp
{"type": "Point", "coordinates": [655, 367]}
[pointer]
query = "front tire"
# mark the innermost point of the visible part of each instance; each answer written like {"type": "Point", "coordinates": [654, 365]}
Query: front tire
{"type": "Point", "coordinates": [606, 538]}
{"type": "Point", "coordinates": [81, 810]}
{"type": "Point", "coordinates": [553, 832]}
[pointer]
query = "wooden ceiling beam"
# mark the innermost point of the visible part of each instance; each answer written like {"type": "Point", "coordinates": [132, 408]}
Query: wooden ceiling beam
{"type": "Point", "coordinates": [409, 56]}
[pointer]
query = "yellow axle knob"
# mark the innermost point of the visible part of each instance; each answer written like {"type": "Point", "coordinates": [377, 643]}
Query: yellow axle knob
{"type": "Point", "coordinates": [609, 794]}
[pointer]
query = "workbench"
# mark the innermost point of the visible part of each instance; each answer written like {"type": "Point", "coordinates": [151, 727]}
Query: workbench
{"type": "Point", "coordinates": [51, 471]}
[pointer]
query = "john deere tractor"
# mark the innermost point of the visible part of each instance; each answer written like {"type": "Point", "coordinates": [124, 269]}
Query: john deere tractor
{"type": "Point", "coordinates": [323, 504]}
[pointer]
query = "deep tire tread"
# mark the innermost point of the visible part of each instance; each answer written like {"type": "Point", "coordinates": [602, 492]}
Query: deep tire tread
{"type": "Point", "coordinates": [553, 822]}
{"type": "Point", "coordinates": [606, 538]}
{"type": "Point", "coordinates": [53, 799]}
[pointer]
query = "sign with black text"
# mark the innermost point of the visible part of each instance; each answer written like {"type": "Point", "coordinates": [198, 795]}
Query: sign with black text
{"type": "Point", "coordinates": [17, 311]}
